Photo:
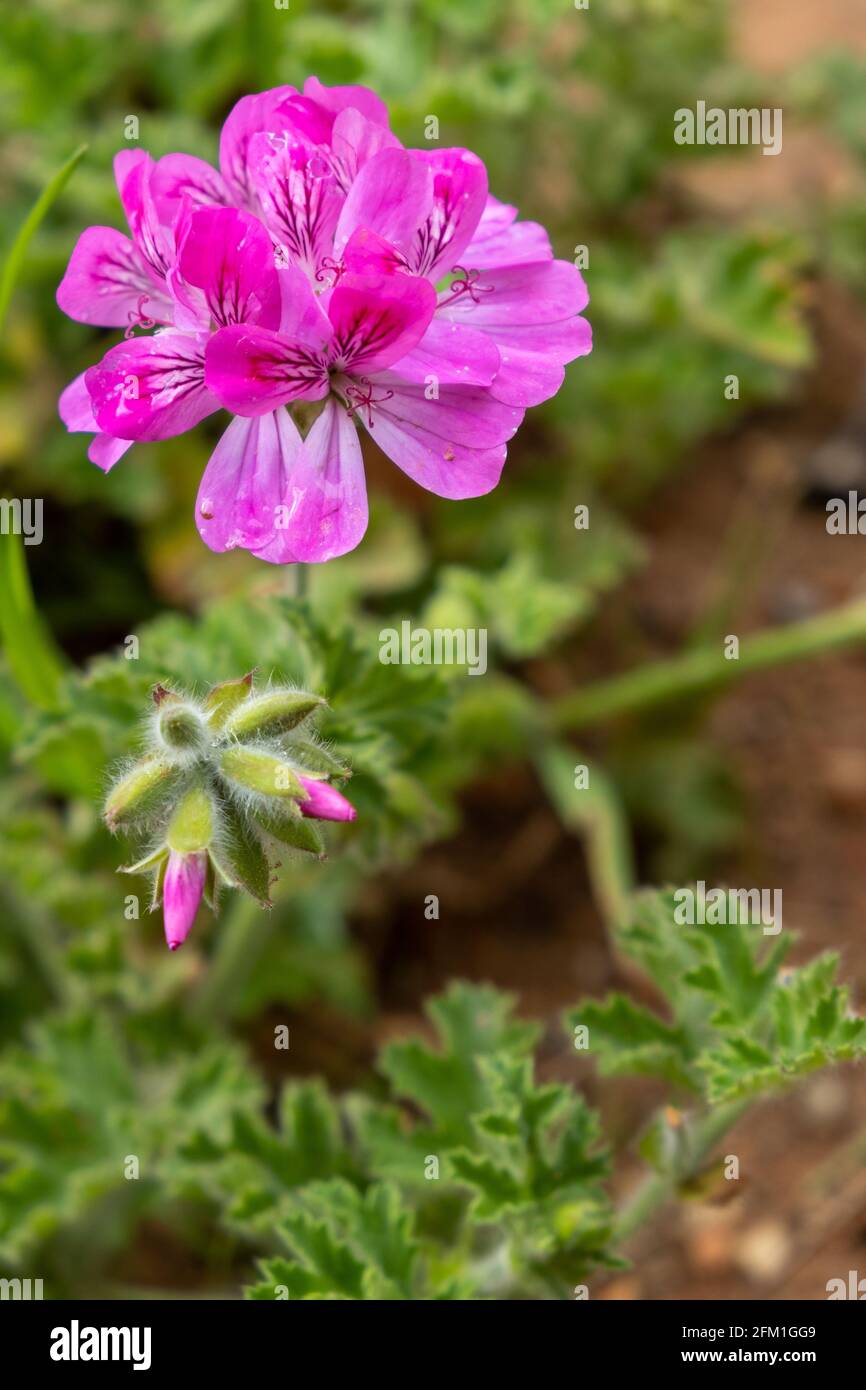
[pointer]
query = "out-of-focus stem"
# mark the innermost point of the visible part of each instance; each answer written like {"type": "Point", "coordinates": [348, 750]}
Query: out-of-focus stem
{"type": "Point", "coordinates": [707, 669]}
{"type": "Point", "coordinates": [658, 1188]}
{"type": "Point", "coordinates": [34, 660]}
{"type": "Point", "coordinates": [14, 258]}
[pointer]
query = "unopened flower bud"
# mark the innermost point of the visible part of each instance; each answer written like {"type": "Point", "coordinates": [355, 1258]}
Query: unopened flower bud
{"type": "Point", "coordinates": [321, 801]}
{"type": "Point", "coordinates": [295, 832]}
{"type": "Point", "coordinates": [260, 772]}
{"type": "Point", "coordinates": [274, 712]}
{"type": "Point", "coordinates": [221, 700]}
{"type": "Point", "coordinates": [139, 793]}
{"type": "Point", "coordinates": [182, 891]}
{"type": "Point", "coordinates": [181, 725]}
{"type": "Point", "coordinates": [316, 757]}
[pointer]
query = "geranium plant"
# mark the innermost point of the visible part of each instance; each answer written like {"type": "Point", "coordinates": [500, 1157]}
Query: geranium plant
{"type": "Point", "coordinates": [303, 1127]}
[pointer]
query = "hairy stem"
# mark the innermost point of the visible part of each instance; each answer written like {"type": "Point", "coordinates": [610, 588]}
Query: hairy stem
{"type": "Point", "coordinates": [706, 669]}
{"type": "Point", "coordinates": [658, 1188]}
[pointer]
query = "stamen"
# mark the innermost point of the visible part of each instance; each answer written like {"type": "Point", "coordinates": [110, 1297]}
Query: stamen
{"type": "Point", "coordinates": [327, 265]}
{"type": "Point", "coordinates": [468, 284]}
{"type": "Point", "coordinates": [138, 318]}
{"type": "Point", "coordinates": [362, 398]}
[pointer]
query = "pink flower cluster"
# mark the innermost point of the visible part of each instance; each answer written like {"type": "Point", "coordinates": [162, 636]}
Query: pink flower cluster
{"type": "Point", "coordinates": [322, 262]}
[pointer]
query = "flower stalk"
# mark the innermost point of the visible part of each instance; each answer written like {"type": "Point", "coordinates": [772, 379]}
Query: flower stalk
{"type": "Point", "coordinates": [706, 670]}
{"type": "Point", "coordinates": [658, 1188]}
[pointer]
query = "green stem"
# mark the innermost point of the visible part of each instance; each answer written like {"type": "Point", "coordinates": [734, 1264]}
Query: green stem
{"type": "Point", "coordinates": [707, 669]}
{"type": "Point", "coordinates": [34, 660]}
{"type": "Point", "coordinates": [17, 251]}
{"type": "Point", "coordinates": [302, 578]}
{"type": "Point", "coordinates": [658, 1188]}
{"type": "Point", "coordinates": [595, 814]}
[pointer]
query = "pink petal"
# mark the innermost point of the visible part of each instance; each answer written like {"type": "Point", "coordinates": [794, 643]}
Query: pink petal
{"type": "Point", "coordinates": [448, 470]}
{"type": "Point", "coordinates": [466, 413]}
{"type": "Point", "coordinates": [537, 294]}
{"type": "Point", "coordinates": [299, 197]}
{"type": "Point", "coordinates": [76, 411]}
{"type": "Point", "coordinates": [227, 254]}
{"type": "Point", "coordinates": [191, 311]}
{"type": "Point", "coordinates": [181, 176]}
{"type": "Point", "coordinates": [182, 892]}
{"type": "Point", "coordinates": [324, 802]}
{"type": "Point", "coordinates": [247, 482]}
{"type": "Point", "coordinates": [336, 99]}
{"type": "Point", "coordinates": [533, 358]}
{"type": "Point", "coordinates": [451, 354]}
{"type": "Point", "coordinates": [307, 121]}
{"type": "Point", "coordinates": [326, 496]}
{"type": "Point", "coordinates": [75, 408]}
{"type": "Point", "coordinates": [124, 163]}
{"type": "Point", "coordinates": [151, 388]}
{"type": "Point", "coordinates": [377, 319]}
{"type": "Point", "coordinates": [107, 283]}
{"type": "Point", "coordinates": [252, 371]}
{"type": "Point", "coordinates": [393, 196]}
{"type": "Point", "coordinates": [251, 114]}
{"type": "Point", "coordinates": [453, 446]}
{"type": "Point", "coordinates": [355, 140]}
{"type": "Point", "coordinates": [314, 114]}
{"type": "Point", "coordinates": [498, 240]}
{"type": "Point", "coordinates": [459, 196]}
{"type": "Point", "coordinates": [532, 314]}
{"type": "Point", "coordinates": [367, 253]}
{"type": "Point", "coordinates": [303, 316]}
{"type": "Point", "coordinates": [153, 240]}
{"type": "Point", "coordinates": [106, 450]}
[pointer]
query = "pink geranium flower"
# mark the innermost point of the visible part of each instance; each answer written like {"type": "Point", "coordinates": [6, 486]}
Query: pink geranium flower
{"type": "Point", "coordinates": [322, 262]}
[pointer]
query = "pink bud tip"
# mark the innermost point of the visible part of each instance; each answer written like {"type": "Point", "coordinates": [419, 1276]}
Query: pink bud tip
{"type": "Point", "coordinates": [324, 802]}
{"type": "Point", "coordinates": [184, 885]}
